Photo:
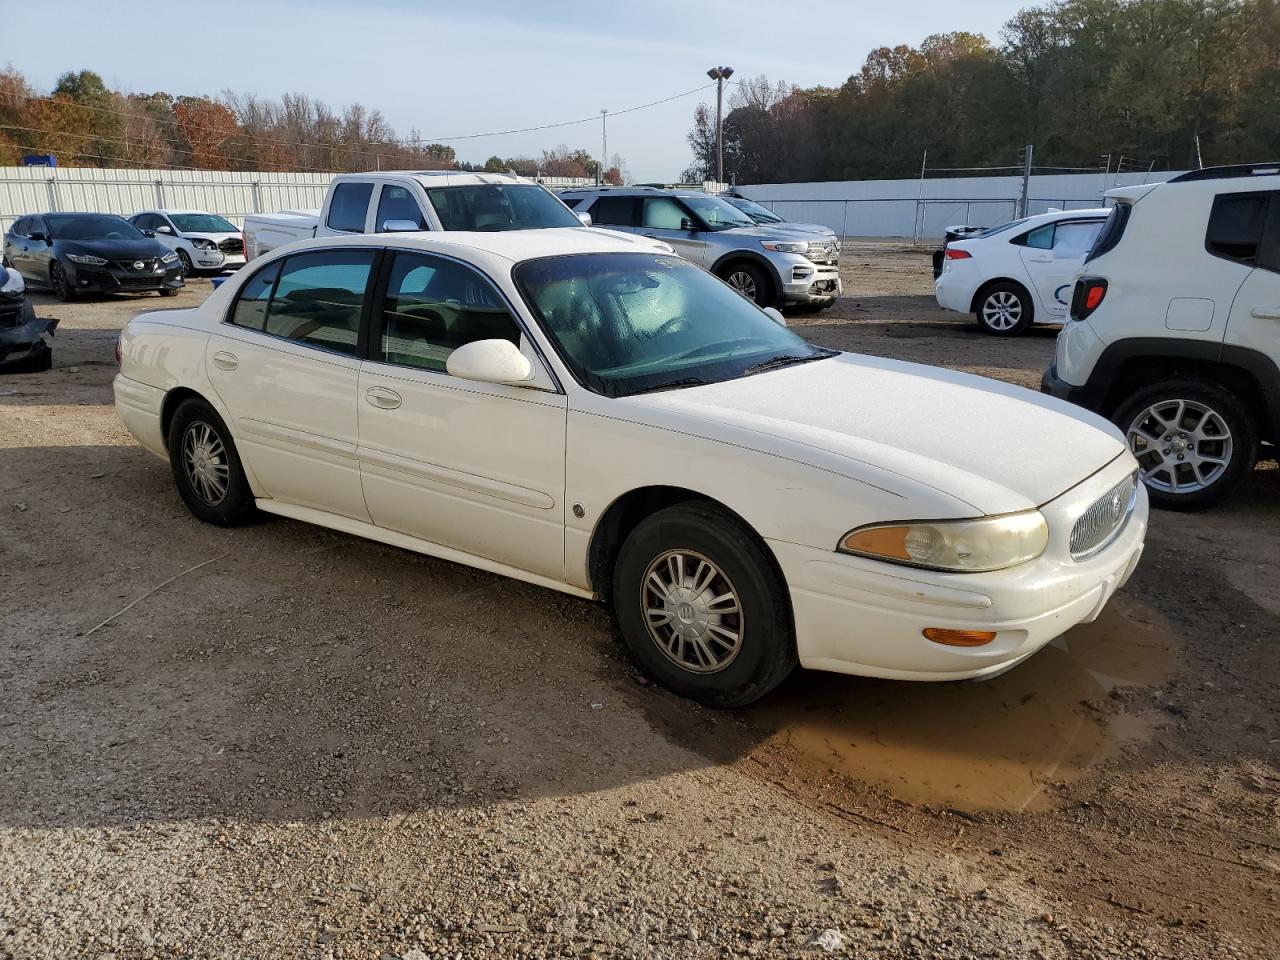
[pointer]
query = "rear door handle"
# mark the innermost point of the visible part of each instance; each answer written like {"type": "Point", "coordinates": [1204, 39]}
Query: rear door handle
{"type": "Point", "coordinates": [382, 398]}
{"type": "Point", "coordinates": [1266, 313]}
{"type": "Point", "coordinates": [225, 361]}
{"type": "Point", "coordinates": [1041, 259]}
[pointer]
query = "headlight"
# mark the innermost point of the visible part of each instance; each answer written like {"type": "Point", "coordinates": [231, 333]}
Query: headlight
{"type": "Point", "coordinates": [962, 546]}
{"type": "Point", "coordinates": [87, 259]}
{"type": "Point", "coordinates": [200, 243]}
{"type": "Point", "coordinates": [167, 258]}
{"type": "Point", "coordinates": [786, 246]}
{"type": "Point", "coordinates": [12, 281]}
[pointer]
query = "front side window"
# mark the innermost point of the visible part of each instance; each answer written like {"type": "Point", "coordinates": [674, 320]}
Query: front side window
{"type": "Point", "coordinates": [616, 212]}
{"type": "Point", "coordinates": [319, 297]}
{"type": "Point", "coordinates": [628, 323]}
{"type": "Point", "coordinates": [1235, 226]}
{"type": "Point", "coordinates": [718, 214]}
{"type": "Point", "coordinates": [493, 207]}
{"type": "Point", "coordinates": [663, 213]}
{"type": "Point", "coordinates": [348, 205]}
{"type": "Point", "coordinates": [21, 227]}
{"type": "Point", "coordinates": [398, 203]}
{"type": "Point", "coordinates": [433, 306]}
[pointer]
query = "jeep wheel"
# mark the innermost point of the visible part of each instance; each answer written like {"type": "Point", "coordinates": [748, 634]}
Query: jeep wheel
{"type": "Point", "coordinates": [1195, 442]}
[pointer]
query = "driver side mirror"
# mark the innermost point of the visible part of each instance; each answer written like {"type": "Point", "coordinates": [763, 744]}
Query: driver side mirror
{"type": "Point", "coordinates": [38, 236]}
{"type": "Point", "coordinates": [148, 233]}
{"type": "Point", "coordinates": [687, 224]}
{"type": "Point", "coordinates": [400, 226]}
{"type": "Point", "coordinates": [585, 218]}
{"type": "Point", "coordinates": [774, 314]}
{"type": "Point", "coordinates": [161, 229]}
{"type": "Point", "coordinates": [490, 361]}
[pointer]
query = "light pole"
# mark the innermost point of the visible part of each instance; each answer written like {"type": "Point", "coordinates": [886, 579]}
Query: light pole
{"type": "Point", "coordinates": [604, 142]}
{"type": "Point", "coordinates": [720, 75]}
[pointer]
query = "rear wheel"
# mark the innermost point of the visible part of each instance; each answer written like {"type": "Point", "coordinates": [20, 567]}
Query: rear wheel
{"type": "Point", "coordinates": [206, 466]}
{"type": "Point", "coordinates": [1004, 310]}
{"type": "Point", "coordinates": [750, 281]}
{"type": "Point", "coordinates": [701, 607]}
{"type": "Point", "coordinates": [1194, 441]}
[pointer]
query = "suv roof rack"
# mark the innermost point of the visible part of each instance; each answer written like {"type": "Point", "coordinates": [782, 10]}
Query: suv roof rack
{"type": "Point", "coordinates": [1270, 168]}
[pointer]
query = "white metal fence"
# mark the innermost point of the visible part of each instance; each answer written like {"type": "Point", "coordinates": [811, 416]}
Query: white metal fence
{"type": "Point", "coordinates": [25, 190]}
{"type": "Point", "coordinates": [922, 208]}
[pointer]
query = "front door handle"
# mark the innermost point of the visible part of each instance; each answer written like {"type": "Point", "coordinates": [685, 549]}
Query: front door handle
{"type": "Point", "coordinates": [225, 361]}
{"type": "Point", "coordinates": [1266, 313]}
{"type": "Point", "coordinates": [382, 398]}
{"type": "Point", "coordinates": [1041, 259]}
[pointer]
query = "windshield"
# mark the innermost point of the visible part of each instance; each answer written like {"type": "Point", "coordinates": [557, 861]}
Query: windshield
{"type": "Point", "coordinates": [93, 226]}
{"type": "Point", "coordinates": [629, 323]}
{"type": "Point", "coordinates": [754, 210]}
{"type": "Point", "coordinates": [202, 223]}
{"type": "Point", "coordinates": [491, 207]}
{"type": "Point", "coordinates": [716, 213]}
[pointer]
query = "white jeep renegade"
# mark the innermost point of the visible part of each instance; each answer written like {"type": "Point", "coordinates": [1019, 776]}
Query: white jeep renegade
{"type": "Point", "coordinates": [1175, 329]}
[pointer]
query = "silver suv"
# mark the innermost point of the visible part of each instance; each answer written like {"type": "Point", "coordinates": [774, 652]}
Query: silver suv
{"type": "Point", "coordinates": [772, 264]}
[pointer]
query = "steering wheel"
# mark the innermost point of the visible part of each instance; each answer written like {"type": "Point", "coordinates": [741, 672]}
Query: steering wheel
{"type": "Point", "coordinates": [669, 326]}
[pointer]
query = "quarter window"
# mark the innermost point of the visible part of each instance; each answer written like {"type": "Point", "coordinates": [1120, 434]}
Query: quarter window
{"type": "Point", "coordinates": [348, 206]}
{"type": "Point", "coordinates": [397, 203]}
{"type": "Point", "coordinates": [319, 297]}
{"type": "Point", "coordinates": [1235, 226]}
{"type": "Point", "coordinates": [1040, 238]}
{"type": "Point", "coordinates": [433, 306]}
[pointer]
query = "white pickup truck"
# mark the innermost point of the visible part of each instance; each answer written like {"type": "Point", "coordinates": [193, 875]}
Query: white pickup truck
{"type": "Point", "coordinates": [403, 201]}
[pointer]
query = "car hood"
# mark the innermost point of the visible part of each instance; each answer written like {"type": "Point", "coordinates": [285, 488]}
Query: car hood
{"type": "Point", "coordinates": [800, 228]}
{"type": "Point", "coordinates": [995, 446]}
{"type": "Point", "coordinates": [215, 237]}
{"type": "Point", "coordinates": [140, 249]}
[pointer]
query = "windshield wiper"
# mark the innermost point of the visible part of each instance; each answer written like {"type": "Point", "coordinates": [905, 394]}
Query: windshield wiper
{"type": "Point", "coordinates": [670, 385]}
{"type": "Point", "coordinates": [783, 360]}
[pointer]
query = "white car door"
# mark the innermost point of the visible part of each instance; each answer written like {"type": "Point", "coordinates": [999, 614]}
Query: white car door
{"type": "Point", "coordinates": [285, 364]}
{"type": "Point", "coordinates": [1246, 228]}
{"type": "Point", "coordinates": [1053, 254]}
{"type": "Point", "coordinates": [477, 467]}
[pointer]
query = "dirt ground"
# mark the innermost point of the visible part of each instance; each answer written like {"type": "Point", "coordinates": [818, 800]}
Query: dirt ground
{"type": "Point", "coordinates": [287, 742]}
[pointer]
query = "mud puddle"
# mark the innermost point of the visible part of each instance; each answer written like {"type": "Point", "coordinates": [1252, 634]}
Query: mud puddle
{"type": "Point", "coordinates": [990, 745]}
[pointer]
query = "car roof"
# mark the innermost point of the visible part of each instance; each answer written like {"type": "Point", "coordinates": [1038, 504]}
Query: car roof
{"type": "Point", "coordinates": [440, 178]}
{"type": "Point", "coordinates": [634, 192]}
{"type": "Point", "coordinates": [510, 245]}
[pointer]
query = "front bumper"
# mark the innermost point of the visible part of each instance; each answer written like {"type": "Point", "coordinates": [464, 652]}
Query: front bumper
{"type": "Point", "coordinates": [114, 277]}
{"type": "Point", "coordinates": [807, 282]}
{"type": "Point", "coordinates": [23, 335]}
{"type": "Point", "coordinates": [860, 616]}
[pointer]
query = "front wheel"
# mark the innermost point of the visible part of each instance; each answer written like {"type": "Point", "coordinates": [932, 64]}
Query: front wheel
{"type": "Point", "coordinates": [62, 288]}
{"type": "Point", "coordinates": [702, 608]}
{"type": "Point", "coordinates": [1004, 310]}
{"type": "Point", "coordinates": [206, 466]}
{"type": "Point", "coordinates": [187, 267]}
{"type": "Point", "coordinates": [750, 281]}
{"type": "Point", "coordinates": [1194, 441]}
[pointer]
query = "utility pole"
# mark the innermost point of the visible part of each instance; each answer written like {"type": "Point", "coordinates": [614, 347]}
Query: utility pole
{"type": "Point", "coordinates": [1026, 183]}
{"type": "Point", "coordinates": [604, 142]}
{"type": "Point", "coordinates": [720, 75]}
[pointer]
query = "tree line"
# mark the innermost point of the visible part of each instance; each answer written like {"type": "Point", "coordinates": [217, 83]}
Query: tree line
{"type": "Point", "coordinates": [1168, 84]}
{"type": "Point", "coordinates": [84, 123]}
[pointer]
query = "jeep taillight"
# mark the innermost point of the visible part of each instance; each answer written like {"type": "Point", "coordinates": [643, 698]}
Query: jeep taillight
{"type": "Point", "coordinates": [1087, 296]}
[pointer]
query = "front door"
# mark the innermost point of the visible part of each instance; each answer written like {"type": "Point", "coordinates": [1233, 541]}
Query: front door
{"type": "Point", "coordinates": [665, 218]}
{"type": "Point", "coordinates": [1053, 255]}
{"type": "Point", "coordinates": [286, 366]}
{"type": "Point", "coordinates": [477, 467]}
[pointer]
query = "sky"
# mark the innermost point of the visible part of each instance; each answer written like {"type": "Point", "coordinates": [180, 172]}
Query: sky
{"type": "Point", "coordinates": [452, 70]}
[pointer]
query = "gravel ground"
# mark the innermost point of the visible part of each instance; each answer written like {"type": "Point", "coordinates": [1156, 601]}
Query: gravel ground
{"type": "Point", "coordinates": [311, 745]}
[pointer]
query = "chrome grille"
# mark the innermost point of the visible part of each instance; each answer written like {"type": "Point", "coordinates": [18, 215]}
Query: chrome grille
{"type": "Point", "coordinates": [1104, 518]}
{"type": "Point", "coordinates": [824, 252]}
{"type": "Point", "coordinates": [131, 266]}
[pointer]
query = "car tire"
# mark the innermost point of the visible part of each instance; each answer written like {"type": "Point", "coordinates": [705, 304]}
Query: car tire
{"type": "Point", "coordinates": [1202, 423]}
{"type": "Point", "coordinates": [62, 288]}
{"type": "Point", "coordinates": [188, 267]}
{"type": "Point", "coordinates": [168, 292]}
{"type": "Point", "coordinates": [206, 466]}
{"type": "Point", "coordinates": [750, 281]}
{"type": "Point", "coordinates": [729, 642]}
{"type": "Point", "coordinates": [1004, 310]}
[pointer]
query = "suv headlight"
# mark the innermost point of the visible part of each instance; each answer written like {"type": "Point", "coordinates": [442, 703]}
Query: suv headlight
{"type": "Point", "coordinates": [13, 282]}
{"type": "Point", "coordinates": [960, 546]}
{"type": "Point", "coordinates": [87, 259]}
{"type": "Point", "coordinates": [169, 257]}
{"type": "Point", "coordinates": [786, 246]}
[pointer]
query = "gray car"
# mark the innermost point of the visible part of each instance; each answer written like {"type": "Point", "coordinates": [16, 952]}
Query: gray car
{"type": "Point", "coordinates": [772, 264]}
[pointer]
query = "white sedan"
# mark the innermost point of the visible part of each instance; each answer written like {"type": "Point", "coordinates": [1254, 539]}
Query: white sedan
{"type": "Point", "coordinates": [1018, 273]}
{"type": "Point", "coordinates": [562, 408]}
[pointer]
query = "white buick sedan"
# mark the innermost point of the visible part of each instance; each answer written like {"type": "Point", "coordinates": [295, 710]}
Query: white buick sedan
{"type": "Point", "coordinates": [562, 408]}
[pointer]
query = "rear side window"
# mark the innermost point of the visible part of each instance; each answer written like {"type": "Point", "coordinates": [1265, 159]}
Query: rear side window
{"type": "Point", "coordinates": [251, 306]}
{"type": "Point", "coordinates": [1235, 226]}
{"type": "Point", "coordinates": [319, 298]}
{"type": "Point", "coordinates": [616, 212]}
{"type": "Point", "coordinates": [397, 203]}
{"type": "Point", "coordinates": [348, 206]}
{"type": "Point", "coordinates": [1112, 231]}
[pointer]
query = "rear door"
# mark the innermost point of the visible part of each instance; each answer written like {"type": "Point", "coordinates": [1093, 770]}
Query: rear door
{"type": "Point", "coordinates": [1245, 227]}
{"type": "Point", "coordinates": [285, 363]}
{"type": "Point", "coordinates": [667, 219]}
{"type": "Point", "coordinates": [1052, 255]}
{"type": "Point", "coordinates": [616, 213]}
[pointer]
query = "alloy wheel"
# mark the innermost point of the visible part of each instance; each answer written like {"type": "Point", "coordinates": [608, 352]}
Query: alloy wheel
{"type": "Point", "coordinates": [186, 264]}
{"type": "Point", "coordinates": [744, 283]}
{"type": "Point", "coordinates": [204, 459]}
{"type": "Point", "coordinates": [692, 611]}
{"type": "Point", "coordinates": [1181, 446]}
{"type": "Point", "coordinates": [1002, 310]}
{"type": "Point", "coordinates": [60, 286]}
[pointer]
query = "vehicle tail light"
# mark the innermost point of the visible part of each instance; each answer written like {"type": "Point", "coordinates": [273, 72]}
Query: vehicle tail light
{"type": "Point", "coordinates": [1087, 296]}
{"type": "Point", "coordinates": [954, 254]}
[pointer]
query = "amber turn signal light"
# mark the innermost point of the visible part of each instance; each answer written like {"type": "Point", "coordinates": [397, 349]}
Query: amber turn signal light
{"type": "Point", "coordinates": [959, 638]}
